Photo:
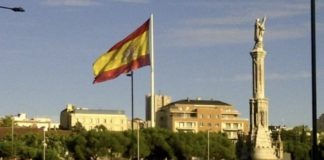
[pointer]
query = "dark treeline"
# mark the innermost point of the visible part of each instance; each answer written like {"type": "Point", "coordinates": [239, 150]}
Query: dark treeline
{"type": "Point", "coordinates": [99, 142]}
{"type": "Point", "coordinates": [154, 143]}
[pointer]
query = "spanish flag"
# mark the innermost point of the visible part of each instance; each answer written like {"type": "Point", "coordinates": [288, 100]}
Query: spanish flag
{"type": "Point", "coordinates": [127, 55]}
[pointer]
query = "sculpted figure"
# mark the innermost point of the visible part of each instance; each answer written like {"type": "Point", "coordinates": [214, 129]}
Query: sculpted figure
{"type": "Point", "coordinates": [259, 32]}
{"type": "Point", "coordinates": [262, 118]}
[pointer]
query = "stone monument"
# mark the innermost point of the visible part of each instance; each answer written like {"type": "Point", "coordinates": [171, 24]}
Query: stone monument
{"type": "Point", "coordinates": [262, 145]}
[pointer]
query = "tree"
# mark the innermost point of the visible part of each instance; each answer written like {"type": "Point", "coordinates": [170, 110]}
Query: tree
{"type": "Point", "coordinates": [6, 121]}
{"type": "Point", "coordinates": [76, 145]}
{"type": "Point", "coordinates": [78, 128]}
{"type": "Point", "coordinates": [26, 152]}
{"type": "Point", "coordinates": [96, 143]}
{"type": "Point", "coordinates": [221, 147]}
{"type": "Point", "coordinates": [321, 147]}
{"type": "Point", "coordinates": [157, 139]}
{"type": "Point", "coordinates": [5, 149]}
{"type": "Point", "coordinates": [297, 143]}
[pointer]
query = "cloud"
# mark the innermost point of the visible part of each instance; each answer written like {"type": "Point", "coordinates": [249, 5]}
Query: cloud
{"type": "Point", "coordinates": [85, 2]}
{"type": "Point", "coordinates": [202, 36]}
{"type": "Point", "coordinates": [70, 2]}
{"type": "Point", "coordinates": [243, 77]}
{"type": "Point", "coordinates": [278, 76]}
{"type": "Point", "coordinates": [237, 27]}
{"type": "Point", "coordinates": [275, 76]}
{"type": "Point", "coordinates": [133, 1]}
{"type": "Point", "coordinates": [193, 37]}
{"type": "Point", "coordinates": [320, 27]}
{"type": "Point", "coordinates": [285, 33]}
{"type": "Point", "coordinates": [212, 21]}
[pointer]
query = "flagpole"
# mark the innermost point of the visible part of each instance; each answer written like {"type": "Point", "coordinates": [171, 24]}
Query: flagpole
{"type": "Point", "coordinates": [152, 71]}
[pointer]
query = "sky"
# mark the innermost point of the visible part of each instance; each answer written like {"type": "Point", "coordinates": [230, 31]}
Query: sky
{"type": "Point", "coordinates": [202, 49]}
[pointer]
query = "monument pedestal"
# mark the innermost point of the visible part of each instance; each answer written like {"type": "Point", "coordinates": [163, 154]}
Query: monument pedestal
{"type": "Point", "coordinates": [263, 147]}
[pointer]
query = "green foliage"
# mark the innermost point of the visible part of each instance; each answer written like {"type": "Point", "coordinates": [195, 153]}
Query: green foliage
{"type": "Point", "coordinates": [297, 143]}
{"type": "Point", "coordinates": [26, 152]}
{"type": "Point", "coordinates": [6, 121]}
{"type": "Point", "coordinates": [298, 150]}
{"type": "Point", "coordinates": [155, 143]}
{"type": "Point", "coordinates": [78, 128]}
{"type": "Point", "coordinates": [5, 149]}
{"type": "Point", "coordinates": [321, 147]}
{"type": "Point", "coordinates": [221, 147]}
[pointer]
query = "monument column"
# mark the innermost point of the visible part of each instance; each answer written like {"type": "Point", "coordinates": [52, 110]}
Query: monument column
{"type": "Point", "coordinates": [263, 147]}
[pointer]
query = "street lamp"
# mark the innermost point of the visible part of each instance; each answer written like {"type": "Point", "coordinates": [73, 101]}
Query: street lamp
{"type": "Point", "coordinates": [208, 144]}
{"type": "Point", "coordinates": [12, 136]}
{"type": "Point", "coordinates": [44, 143]}
{"type": "Point", "coordinates": [15, 9]}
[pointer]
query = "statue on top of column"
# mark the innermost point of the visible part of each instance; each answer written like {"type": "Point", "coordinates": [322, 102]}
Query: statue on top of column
{"type": "Point", "coordinates": [259, 32]}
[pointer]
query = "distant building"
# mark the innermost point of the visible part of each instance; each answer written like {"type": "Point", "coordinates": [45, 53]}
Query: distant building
{"type": "Point", "coordinates": [138, 124]}
{"type": "Point", "coordinates": [114, 120]}
{"type": "Point", "coordinates": [160, 101]}
{"type": "Point", "coordinates": [202, 115]}
{"type": "Point", "coordinates": [320, 123]}
{"type": "Point", "coordinates": [21, 120]}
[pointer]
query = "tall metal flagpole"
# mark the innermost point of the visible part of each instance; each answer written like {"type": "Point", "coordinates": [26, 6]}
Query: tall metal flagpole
{"type": "Point", "coordinates": [152, 71]}
{"type": "Point", "coordinates": [314, 92]}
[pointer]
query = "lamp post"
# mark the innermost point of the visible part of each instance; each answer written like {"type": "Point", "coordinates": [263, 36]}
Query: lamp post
{"type": "Point", "coordinates": [44, 143]}
{"type": "Point", "coordinates": [12, 136]}
{"type": "Point", "coordinates": [208, 144]}
{"type": "Point", "coordinates": [314, 81]}
{"type": "Point", "coordinates": [15, 9]}
{"type": "Point", "coordinates": [131, 74]}
{"type": "Point", "coordinates": [138, 140]}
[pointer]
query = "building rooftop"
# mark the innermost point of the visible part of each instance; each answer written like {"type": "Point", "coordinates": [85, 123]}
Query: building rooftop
{"type": "Point", "coordinates": [200, 102]}
{"type": "Point", "coordinates": [74, 109]}
{"type": "Point", "coordinates": [97, 111]}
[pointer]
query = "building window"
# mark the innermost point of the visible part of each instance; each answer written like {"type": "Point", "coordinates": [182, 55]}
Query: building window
{"type": "Point", "coordinates": [217, 125]}
{"type": "Point", "coordinates": [200, 116]}
{"type": "Point", "coordinates": [181, 124]}
{"type": "Point", "coordinates": [228, 126]}
{"type": "Point", "coordinates": [235, 125]}
{"type": "Point", "coordinates": [189, 124]}
{"type": "Point", "coordinates": [193, 115]}
{"type": "Point", "coordinates": [209, 124]}
{"type": "Point", "coordinates": [201, 124]}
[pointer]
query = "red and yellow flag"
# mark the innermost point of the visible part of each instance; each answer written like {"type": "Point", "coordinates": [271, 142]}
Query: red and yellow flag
{"type": "Point", "coordinates": [127, 55]}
